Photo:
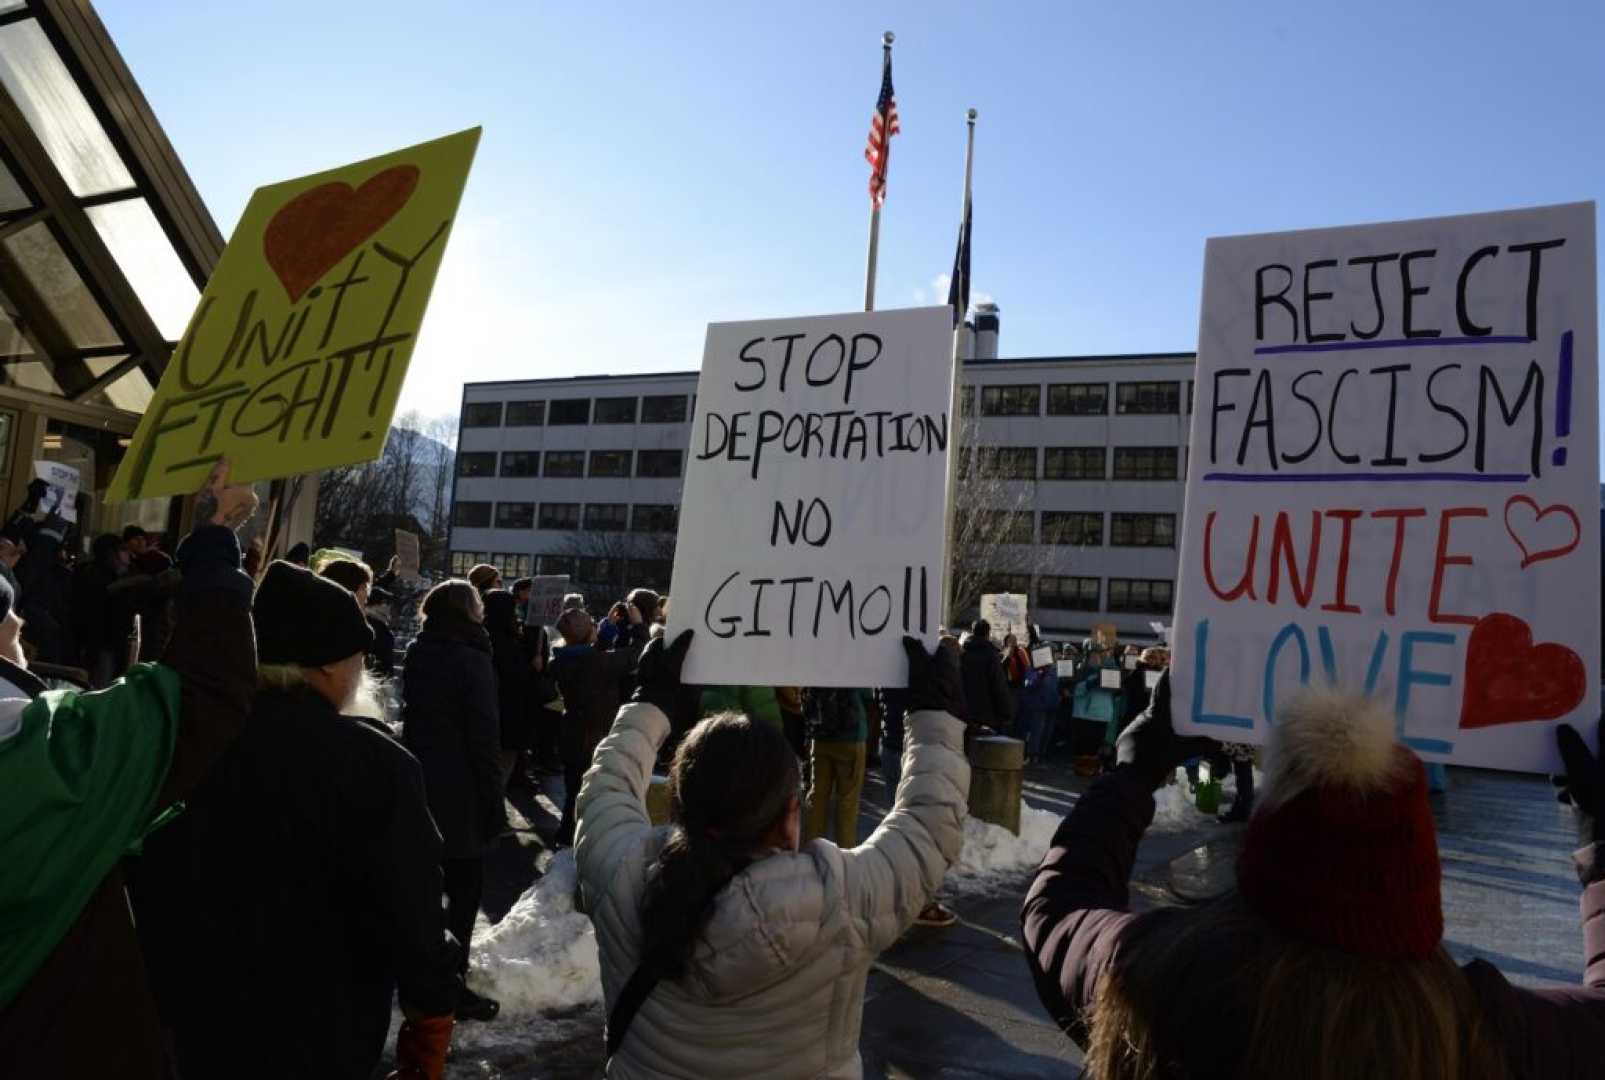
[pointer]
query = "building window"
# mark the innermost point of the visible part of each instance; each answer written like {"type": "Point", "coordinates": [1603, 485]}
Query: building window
{"type": "Point", "coordinates": [1140, 596]}
{"type": "Point", "coordinates": [1145, 463]}
{"type": "Point", "coordinates": [611, 462]}
{"type": "Point", "coordinates": [665, 409]}
{"type": "Point", "coordinates": [515, 515]}
{"type": "Point", "coordinates": [564, 463]}
{"type": "Point", "coordinates": [1142, 530]}
{"type": "Point", "coordinates": [471, 515]}
{"type": "Point", "coordinates": [482, 414]}
{"type": "Point", "coordinates": [560, 515]}
{"type": "Point", "coordinates": [1007, 462]}
{"type": "Point", "coordinates": [557, 564]}
{"type": "Point", "coordinates": [1072, 527]}
{"type": "Point", "coordinates": [1001, 527]}
{"type": "Point", "coordinates": [966, 401]}
{"type": "Point", "coordinates": [1011, 400]}
{"type": "Point", "coordinates": [654, 518]}
{"type": "Point", "coordinates": [521, 463]}
{"type": "Point", "coordinates": [1148, 398]}
{"type": "Point", "coordinates": [1078, 399]}
{"type": "Point", "coordinates": [1068, 593]}
{"type": "Point", "coordinates": [1006, 583]}
{"type": "Point", "coordinates": [1189, 397]}
{"type": "Point", "coordinates": [464, 561]}
{"type": "Point", "coordinates": [657, 463]}
{"type": "Point", "coordinates": [476, 463]}
{"type": "Point", "coordinates": [607, 517]}
{"type": "Point", "coordinates": [649, 574]}
{"type": "Point", "coordinates": [614, 410]}
{"type": "Point", "coordinates": [526, 413]}
{"type": "Point", "coordinates": [600, 572]}
{"type": "Point", "coordinates": [570, 411]}
{"type": "Point", "coordinates": [1072, 463]}
{"type": "Point", "coordinates": [512, 566]}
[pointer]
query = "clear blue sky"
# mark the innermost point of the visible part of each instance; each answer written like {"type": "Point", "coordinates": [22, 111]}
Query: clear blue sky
{"type": "Point", "coordinates": [648, 168]}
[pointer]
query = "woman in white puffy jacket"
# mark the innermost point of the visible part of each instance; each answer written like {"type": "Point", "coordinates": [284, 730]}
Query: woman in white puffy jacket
{"type": "Point", "coordinates": [728, 950]}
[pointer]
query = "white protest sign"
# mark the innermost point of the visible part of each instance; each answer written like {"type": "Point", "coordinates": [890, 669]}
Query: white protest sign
{"type": "Point", "coordinates": [1151, 678]}
{"type": "Point", "coordinates": [1392, 482]}
{"type": "Point", "coordinates": [545, 599]}
{"type": "Point", "coordinates": [1109, 678]}
{"type": "Point", "coordinates": [62, 496]}
{"type": "Point", "coordinates": [1067, 669]}
{"type": "Point", "coordinates": [407, 557]}
{"type": "Point", "coordinates": [1041, 657]}
{"type": "Point", "coordinates": [1005, 613]}
{"type": "Point", "coordinates": [811, 526]}
{"type": "Point", "coordinates": [1161, 631]}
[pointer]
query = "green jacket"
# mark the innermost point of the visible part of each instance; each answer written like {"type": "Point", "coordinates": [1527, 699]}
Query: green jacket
{"type": "Point", "coordinates": [758, 702]}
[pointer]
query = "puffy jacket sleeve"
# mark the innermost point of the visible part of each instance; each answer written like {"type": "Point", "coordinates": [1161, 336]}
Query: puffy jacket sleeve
{"type": "Point", "coordinates": [611, 810]}
{"type": "Point", "coordinates": [1075, 911]}
{"type": "Point", "coordinates": [892, 875]}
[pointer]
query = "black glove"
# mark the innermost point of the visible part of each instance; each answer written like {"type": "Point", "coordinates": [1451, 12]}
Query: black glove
{"type": "Point", "coordinates": [1150, 748]}
{"type": "Point", "coordinates": [1584, 783]}
{"type": "Point", "coordinates": [934, 681]}
{"type": "Point", "coordinates": [37, 490]}
{"type": "Point", "coordinates": [657, 677]}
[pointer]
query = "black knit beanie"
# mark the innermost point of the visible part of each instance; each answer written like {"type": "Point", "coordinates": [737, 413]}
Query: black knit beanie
{"type": "Point", "coordinates": [305, 619]}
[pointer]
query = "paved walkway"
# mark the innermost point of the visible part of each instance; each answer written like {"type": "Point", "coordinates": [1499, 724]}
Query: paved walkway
{"type": "Point", "coordinates": [959, 1003]}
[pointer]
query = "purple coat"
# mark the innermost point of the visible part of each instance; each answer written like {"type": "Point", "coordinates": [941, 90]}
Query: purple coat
{"type": "Point", "coordinates": [1076, 915]}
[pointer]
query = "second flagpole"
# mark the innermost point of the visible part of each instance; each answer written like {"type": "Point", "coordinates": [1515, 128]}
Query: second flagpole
{"type": "Point", "coordinates": [955, 421]}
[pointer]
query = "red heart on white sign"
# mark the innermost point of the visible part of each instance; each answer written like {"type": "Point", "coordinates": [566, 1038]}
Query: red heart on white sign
{"type": "Point", "coordinates": [1531, 524]}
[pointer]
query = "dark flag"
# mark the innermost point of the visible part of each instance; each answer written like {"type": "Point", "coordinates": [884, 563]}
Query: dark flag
{"type": "Point", "coordinates": [958, 286]}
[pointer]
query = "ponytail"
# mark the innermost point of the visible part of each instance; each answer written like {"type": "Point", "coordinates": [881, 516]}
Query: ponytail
{"type": "Point", "coordinates": [732, 780]}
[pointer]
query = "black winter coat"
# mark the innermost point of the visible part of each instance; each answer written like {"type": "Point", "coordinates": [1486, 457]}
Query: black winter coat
{"type": "Point", "coordinates": [593, 683]}
{"type": "Point", "coordinates": [280, 911]}
{"type": "Point", "coordinates": [449, 720]}
{"type": "Point", "coordinates": [986, 689]}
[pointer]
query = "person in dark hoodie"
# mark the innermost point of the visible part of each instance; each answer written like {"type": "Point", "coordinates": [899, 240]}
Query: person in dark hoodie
{"type": "Point", "coordinates": [986, 688]}
{"type": "Point", "coordinates": [515, 677]}
{"type": "Point", "coordinates": [304, 872]}
{"type": "Point", "coordinates": [449, 720]}
{"type": "Point", "coordinates": [84, 777]}
{"type": "Point", "coordinates": [592, 682]}
{"type": "Point", "coordinates": [1327, 960]}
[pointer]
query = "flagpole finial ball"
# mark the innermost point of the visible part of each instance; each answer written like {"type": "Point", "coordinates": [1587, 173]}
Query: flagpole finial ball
{"type": "Point", "coordinates": [887, 38]}
{"type": "Point", "coordinates": [973, 114]}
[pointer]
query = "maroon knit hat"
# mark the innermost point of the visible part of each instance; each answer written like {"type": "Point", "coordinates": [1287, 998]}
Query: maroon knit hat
{"type": "Point", "coordinates": [1342, 850]}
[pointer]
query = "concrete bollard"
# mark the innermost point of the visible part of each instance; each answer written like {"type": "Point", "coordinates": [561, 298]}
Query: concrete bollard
{"type": "Point", "coordinates": [657, 800]}
{"type": "Point", "coordinates": [997, 770]}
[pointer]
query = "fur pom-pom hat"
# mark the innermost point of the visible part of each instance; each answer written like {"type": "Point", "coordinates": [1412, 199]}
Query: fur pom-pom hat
{"type": "Point", "coordinates": [1341, 849]}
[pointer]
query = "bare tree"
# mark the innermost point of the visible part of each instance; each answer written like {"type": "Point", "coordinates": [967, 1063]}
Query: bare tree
{"type": "Point", "coordinates": [360, 506]}
{"type": "Point", "coordinates": [994, 535]}
{"type": "Point", "coordinates": [610, 563]}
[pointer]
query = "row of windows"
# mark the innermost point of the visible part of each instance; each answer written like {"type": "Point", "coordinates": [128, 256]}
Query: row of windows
{"type": "Point", "coordinates": [570, 463]}
{"type": "Point", "coordinates": [1078, 527]}
{"type": "Point", "coordinates": [1147, 398]}
{"type": "Point", "coordinates": [660, 409]}
{"type": "Point", "coordinates": [597, 517]}
{"type": "Point", "coordinates": [1131, 596]}
{"type": "Point", "coordinates": [585, 569]}
{"type": "Point", "coordinates": [1073, 463]}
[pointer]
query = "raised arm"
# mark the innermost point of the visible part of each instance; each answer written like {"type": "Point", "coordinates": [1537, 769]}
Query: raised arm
{"type": "Point", "coordinates": [894, 873]}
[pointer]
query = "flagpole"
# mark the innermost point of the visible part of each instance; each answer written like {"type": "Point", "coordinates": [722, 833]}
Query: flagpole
{"type": "Point", "coordinates": [955, 421]}
{"type": "Point", "coordinates": [874, 204]}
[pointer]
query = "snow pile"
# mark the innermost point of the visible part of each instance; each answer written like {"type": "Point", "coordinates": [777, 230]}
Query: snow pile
{"type": "Point", "coordinates": [992, 854]}
{"type": "Point", "coordinates": [1176, 808]}
{"type": "Point", "coordinates": [542, 955]}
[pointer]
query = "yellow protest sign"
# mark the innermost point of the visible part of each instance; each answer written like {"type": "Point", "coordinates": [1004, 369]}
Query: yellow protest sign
{"type": "Point", "coordinates": [294, 358]}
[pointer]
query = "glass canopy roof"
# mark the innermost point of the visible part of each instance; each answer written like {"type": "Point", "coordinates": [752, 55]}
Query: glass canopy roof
{"type": "Point", "coordinates": [104, 242]}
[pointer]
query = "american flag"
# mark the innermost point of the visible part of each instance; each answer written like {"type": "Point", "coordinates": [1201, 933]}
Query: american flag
{"type": "Point", "coordinates": [881, 129]}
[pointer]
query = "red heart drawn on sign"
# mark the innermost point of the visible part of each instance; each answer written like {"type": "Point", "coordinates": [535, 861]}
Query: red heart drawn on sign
{"type": "Point", "coordinates": [312, 232]}
{"type": "Point", "coordinates": [1509, 680]}
{"type": "Point", "coordinates": [1530, 525]}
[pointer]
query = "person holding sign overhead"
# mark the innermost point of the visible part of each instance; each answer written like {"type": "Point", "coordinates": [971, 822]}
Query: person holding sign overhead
{"type": "Point", "coordinates": [1328, 958]}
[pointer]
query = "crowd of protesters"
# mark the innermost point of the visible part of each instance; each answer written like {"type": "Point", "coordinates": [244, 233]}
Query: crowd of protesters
{"type": "Point", "coordinates": [226, 862]}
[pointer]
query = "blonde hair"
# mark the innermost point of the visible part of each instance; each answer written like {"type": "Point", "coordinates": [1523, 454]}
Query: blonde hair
{"type": "Point", "coordinates": [1311, 1012]}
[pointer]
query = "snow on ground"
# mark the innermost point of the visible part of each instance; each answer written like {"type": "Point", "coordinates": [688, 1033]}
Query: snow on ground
{"type": "Point", "coordinates": [542, 955]}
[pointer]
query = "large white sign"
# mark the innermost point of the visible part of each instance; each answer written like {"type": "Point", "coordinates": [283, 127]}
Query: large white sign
{"type": "Point", "coordinates": [1392, 482]}
{"type": "Point", "coordinates": [546, 594]}
{"type": "Point", "coordinates": [812, 524]}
